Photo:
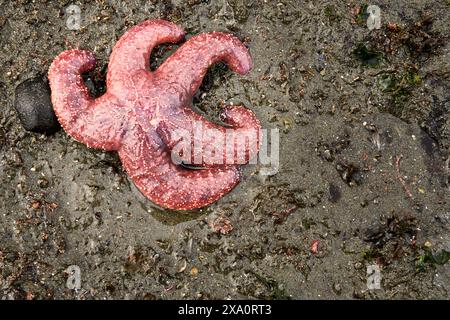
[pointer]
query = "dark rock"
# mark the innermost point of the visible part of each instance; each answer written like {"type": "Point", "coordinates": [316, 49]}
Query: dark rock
{"type": "Point", "coordinates": [2, 137]}
{"type": "Point", "coordinates": [335, 193]}
{"type": "Point", "coordinates": [374, 233]}
{"type": "Point", "coordinates": [349, 173]}
{"type": "Point", "coordinates": [34, 107]}
{"type": "Point", "coordinates": [96, 83]}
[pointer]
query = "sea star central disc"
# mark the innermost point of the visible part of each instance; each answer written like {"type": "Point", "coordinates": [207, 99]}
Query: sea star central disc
{"type": "Point", "coordinates": [145, 115]}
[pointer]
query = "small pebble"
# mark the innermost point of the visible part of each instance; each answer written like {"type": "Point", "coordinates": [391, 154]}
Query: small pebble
{"type": "Point", "coordinates": [34, 107]}
{"type": "Point", "coordinates": [358, 265]}
{"type": "Point", "coordinates": [43, 183]}
{"type": "Point", "coordinates": [337, 288]}
{"type": "Point", "coordinates": [194, 271]}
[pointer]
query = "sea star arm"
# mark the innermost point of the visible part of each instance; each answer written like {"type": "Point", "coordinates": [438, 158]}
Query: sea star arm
{"type": "Point", "coordinates": [132, 51]}
{"type": "Point", "coordinates": [99, 123]}
{"type": "Point", "coordinates": [188, 65]}
{"type": "Point", "coordinates": [149, 165]}
{"type": "Point", "coordinates": [200, 142]}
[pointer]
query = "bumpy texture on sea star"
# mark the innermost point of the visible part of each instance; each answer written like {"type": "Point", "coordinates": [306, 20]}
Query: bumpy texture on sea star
{"type": "Point", "coordinates": [144, 113]}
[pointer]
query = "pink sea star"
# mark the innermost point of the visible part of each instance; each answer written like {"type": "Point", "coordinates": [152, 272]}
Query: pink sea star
{"type": "Point", "coordinates": [142, 113]}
